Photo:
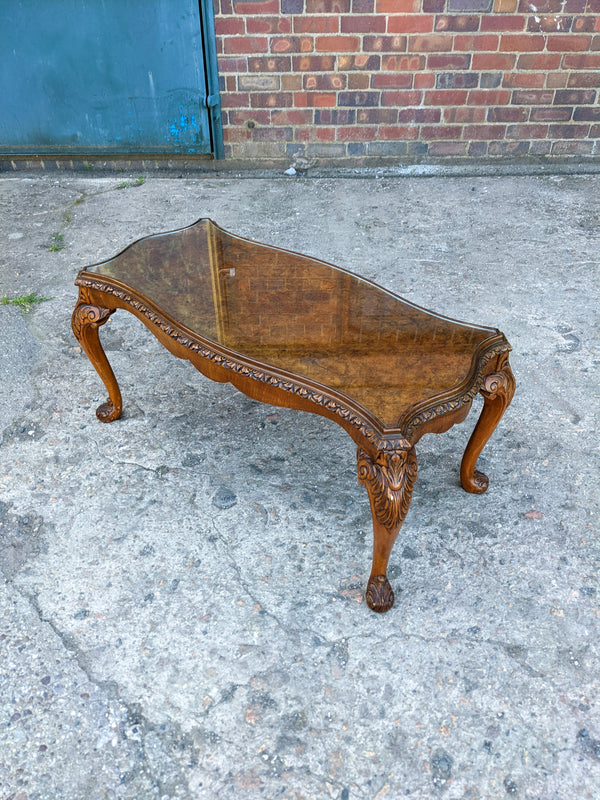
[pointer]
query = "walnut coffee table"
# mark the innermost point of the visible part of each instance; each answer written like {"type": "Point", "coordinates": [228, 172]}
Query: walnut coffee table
{"type": "Point", "coordinates": [296, 332]}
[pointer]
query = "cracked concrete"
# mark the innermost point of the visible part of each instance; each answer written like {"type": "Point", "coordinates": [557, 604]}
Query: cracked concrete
{"type": "Point", "coordinates": [182, 610]}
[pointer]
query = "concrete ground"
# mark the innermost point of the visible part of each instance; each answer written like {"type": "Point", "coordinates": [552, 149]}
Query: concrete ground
{"type": "Point", "coordinates": [181, 610]}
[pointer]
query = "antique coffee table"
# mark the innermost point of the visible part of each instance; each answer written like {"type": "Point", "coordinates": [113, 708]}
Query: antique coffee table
{"type": "Point", "coordinates": [297, 332]}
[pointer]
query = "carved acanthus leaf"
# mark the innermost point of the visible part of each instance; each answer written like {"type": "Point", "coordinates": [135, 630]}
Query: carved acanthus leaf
{"type": "Point", "coordinates": [389, 479]}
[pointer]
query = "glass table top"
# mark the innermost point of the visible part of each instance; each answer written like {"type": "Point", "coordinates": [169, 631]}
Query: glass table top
{"type": "Point", "coordinates": [300, 315]}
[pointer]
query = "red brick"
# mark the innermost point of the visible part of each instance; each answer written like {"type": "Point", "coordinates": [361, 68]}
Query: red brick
{"type": "Point", "coordinates": [456, 80]}
{"type": "Point", "coordinates": [328, 81]}
{"type": "Point", "coordinates": [569, 43]}
{"type": "Point", "coordinates": [585, 24]}
{"type": "Point", "coordinates": [521, 43]}
{"type": "Point", "coordinates": [464, 114]}
{"type": "Point", "coordinates": [363, 24]}
{"type": "Point", "coordinates": [400, 98]}
{"type": "Point", "coordinates": [402, 63]}
{"type": "Point", "coordinates": [540, 62]}
{"type": "Point", "coordinates": [410, 23]}
{"type": "Point", "coordinates": [515, 148]}
{"type": "Point", "coordinates": [517, 80]}
{"type": "Point", "coordinates": [507, 114]}
{"type": "Point", "coordinates": [441, 132]}
{"type": "Point", "coordinates": [457, 23]}
{"type": "Point", "coordinates": [236, 134]}
{"type": "Point", "coordinates": [312, 64]}
{"type": "Point", "coordinates": [392, 80]}
{"type": "Point", "coordinates": [556, 80]}
{"type": "Point", "coordinates": [568, 131]}
{"type": "Point", "coordinates": [488, 97]}
{"type": "Point", "coordinates": [433, 6]}
{"type": "Point", "coordinates": [397, 6]}
{"type": "Point", "coordinates": [272, 134]}
{"type": "Point", "coordinates": [587, 61]}
{"type": "Point", "coordinates": [244, 44]}
{"type": "Point", "coordinates": [256, 6]}
{"type": "Point", "coordinates": [595, 132]}
{"type": "Point", "coordinates": [554, 24]}
{"type": "Point", "coordinates": [232, 64]}
{"type": "Point", "coordinates": [551, 114]}
{"type": "Point", "coordinates": [368, 99]}
{"type": "Point", "coordinates": [453, 149]}
{"type": "Point", "coordinates": [256, 115]}
{"type": "Point", "coordinates": [337, 44]}
{"type": "Point", "coordinates": [233, 100]}
{"type": "Point", "coordinates": [291, 44]}
{"type": "Point", "coordinates": [479, 42]}
{"type": "Point", "coordinates": [436, 43]}
{"type": "Point", "coordinates": [419, 115]}
{"type": "Point", "coordinates": [361, 62]}
{"type": "Point", "coordinates": [327, 6]}
{"type": "Point", "coordinates": [587, 113]}
{"type": "Point", "coordinates": [583, 79]}
{"type": "Point", "coordinates": [359, 80]}
{"type": "Point", "coordinates": [355, 133]}
{"type": "Point", "coordinates": [493, 60]}
{"type": "Point", "coordinates": [269, 64]}
{"type": "Point", "coordinates": [291, 116]}
{"type": "Point", "coordinates": [526, 131]}
{"type": "Point", "coordinates": [315, 99]}
{"type": "Point", "coordinates": [541, 6]}
{"type": "Point", "coordinates": [484, 131]}
{"type": "Point", "coordinates": [384, 44]}
{"type": "Point", "coordinates": [458, 61]}
{"type": "Point", "coordinates": [270, 99]}
{"type": "Point", "coordinates": [446, 97]}
{"type": "Point", "coordinates": [268, 25]}
{"type": "Point", "coordinates": [229, 26]}
{"type": "Point", "coordinates": [572, 148]}
{"type": "Point", "coordinates": [315, 135]}
{"type": "Point", "coordinates": [424, 80]}
{"type": "Point", "coordinates": [363, 6]}
{"type": "Point", "coordinates": [377, 116]}
{"type": "Point", "coordinates": [313, 24]}
{"type": "Point", "coordinates": [532, 97]}
{"type": "Point", "coordinates": [577, 96]}
{"type": "Point", "coordinates": [502, 22]}
{"type": "Point", "coordinates": [398, 133]}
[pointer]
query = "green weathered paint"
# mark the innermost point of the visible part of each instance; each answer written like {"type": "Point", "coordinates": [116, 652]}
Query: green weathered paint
{"type": "Point", "coordinates": [107, 77]}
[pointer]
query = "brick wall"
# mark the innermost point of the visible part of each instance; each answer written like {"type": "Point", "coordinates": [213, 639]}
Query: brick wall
{"type": "Point", "coordinates": [409, 79]}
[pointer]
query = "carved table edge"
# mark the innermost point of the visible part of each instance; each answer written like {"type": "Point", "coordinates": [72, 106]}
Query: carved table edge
{"type": "Point", "coordinates": [428, 410]}
{"type": "Point", "coordinates": [380, 439]}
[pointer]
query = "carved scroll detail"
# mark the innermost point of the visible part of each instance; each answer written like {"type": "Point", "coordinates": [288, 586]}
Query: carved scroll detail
{"type": "Point", "coordinates": [85, 314]}
{"type": "Point", "coordinates": [86, 320]}
{"type": "Point", "coordinates": [389, 479]}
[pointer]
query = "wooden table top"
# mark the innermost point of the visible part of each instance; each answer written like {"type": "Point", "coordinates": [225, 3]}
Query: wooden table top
{"type": "Point", "coordinates": [303, 318]}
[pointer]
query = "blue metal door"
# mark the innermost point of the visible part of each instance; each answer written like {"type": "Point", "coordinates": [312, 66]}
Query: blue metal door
{"type": "Point", "coordinates": [107, 76]}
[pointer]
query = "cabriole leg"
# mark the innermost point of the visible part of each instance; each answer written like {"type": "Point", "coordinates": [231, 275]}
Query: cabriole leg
{"type": "Point", "coordinates": [87, 318]}
{"type": "Point", "coordinates": [497, 390]}
{"type": "Point", "coordinates": [389, 480]}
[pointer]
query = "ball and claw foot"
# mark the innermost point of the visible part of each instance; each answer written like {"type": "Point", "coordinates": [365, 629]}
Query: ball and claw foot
{"type": "Point", "coordinates": [479, 483]}
{"type": "Point", "coordinates": [379, 595]}
{"type": "Point", "coordinates": [107, 412]}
